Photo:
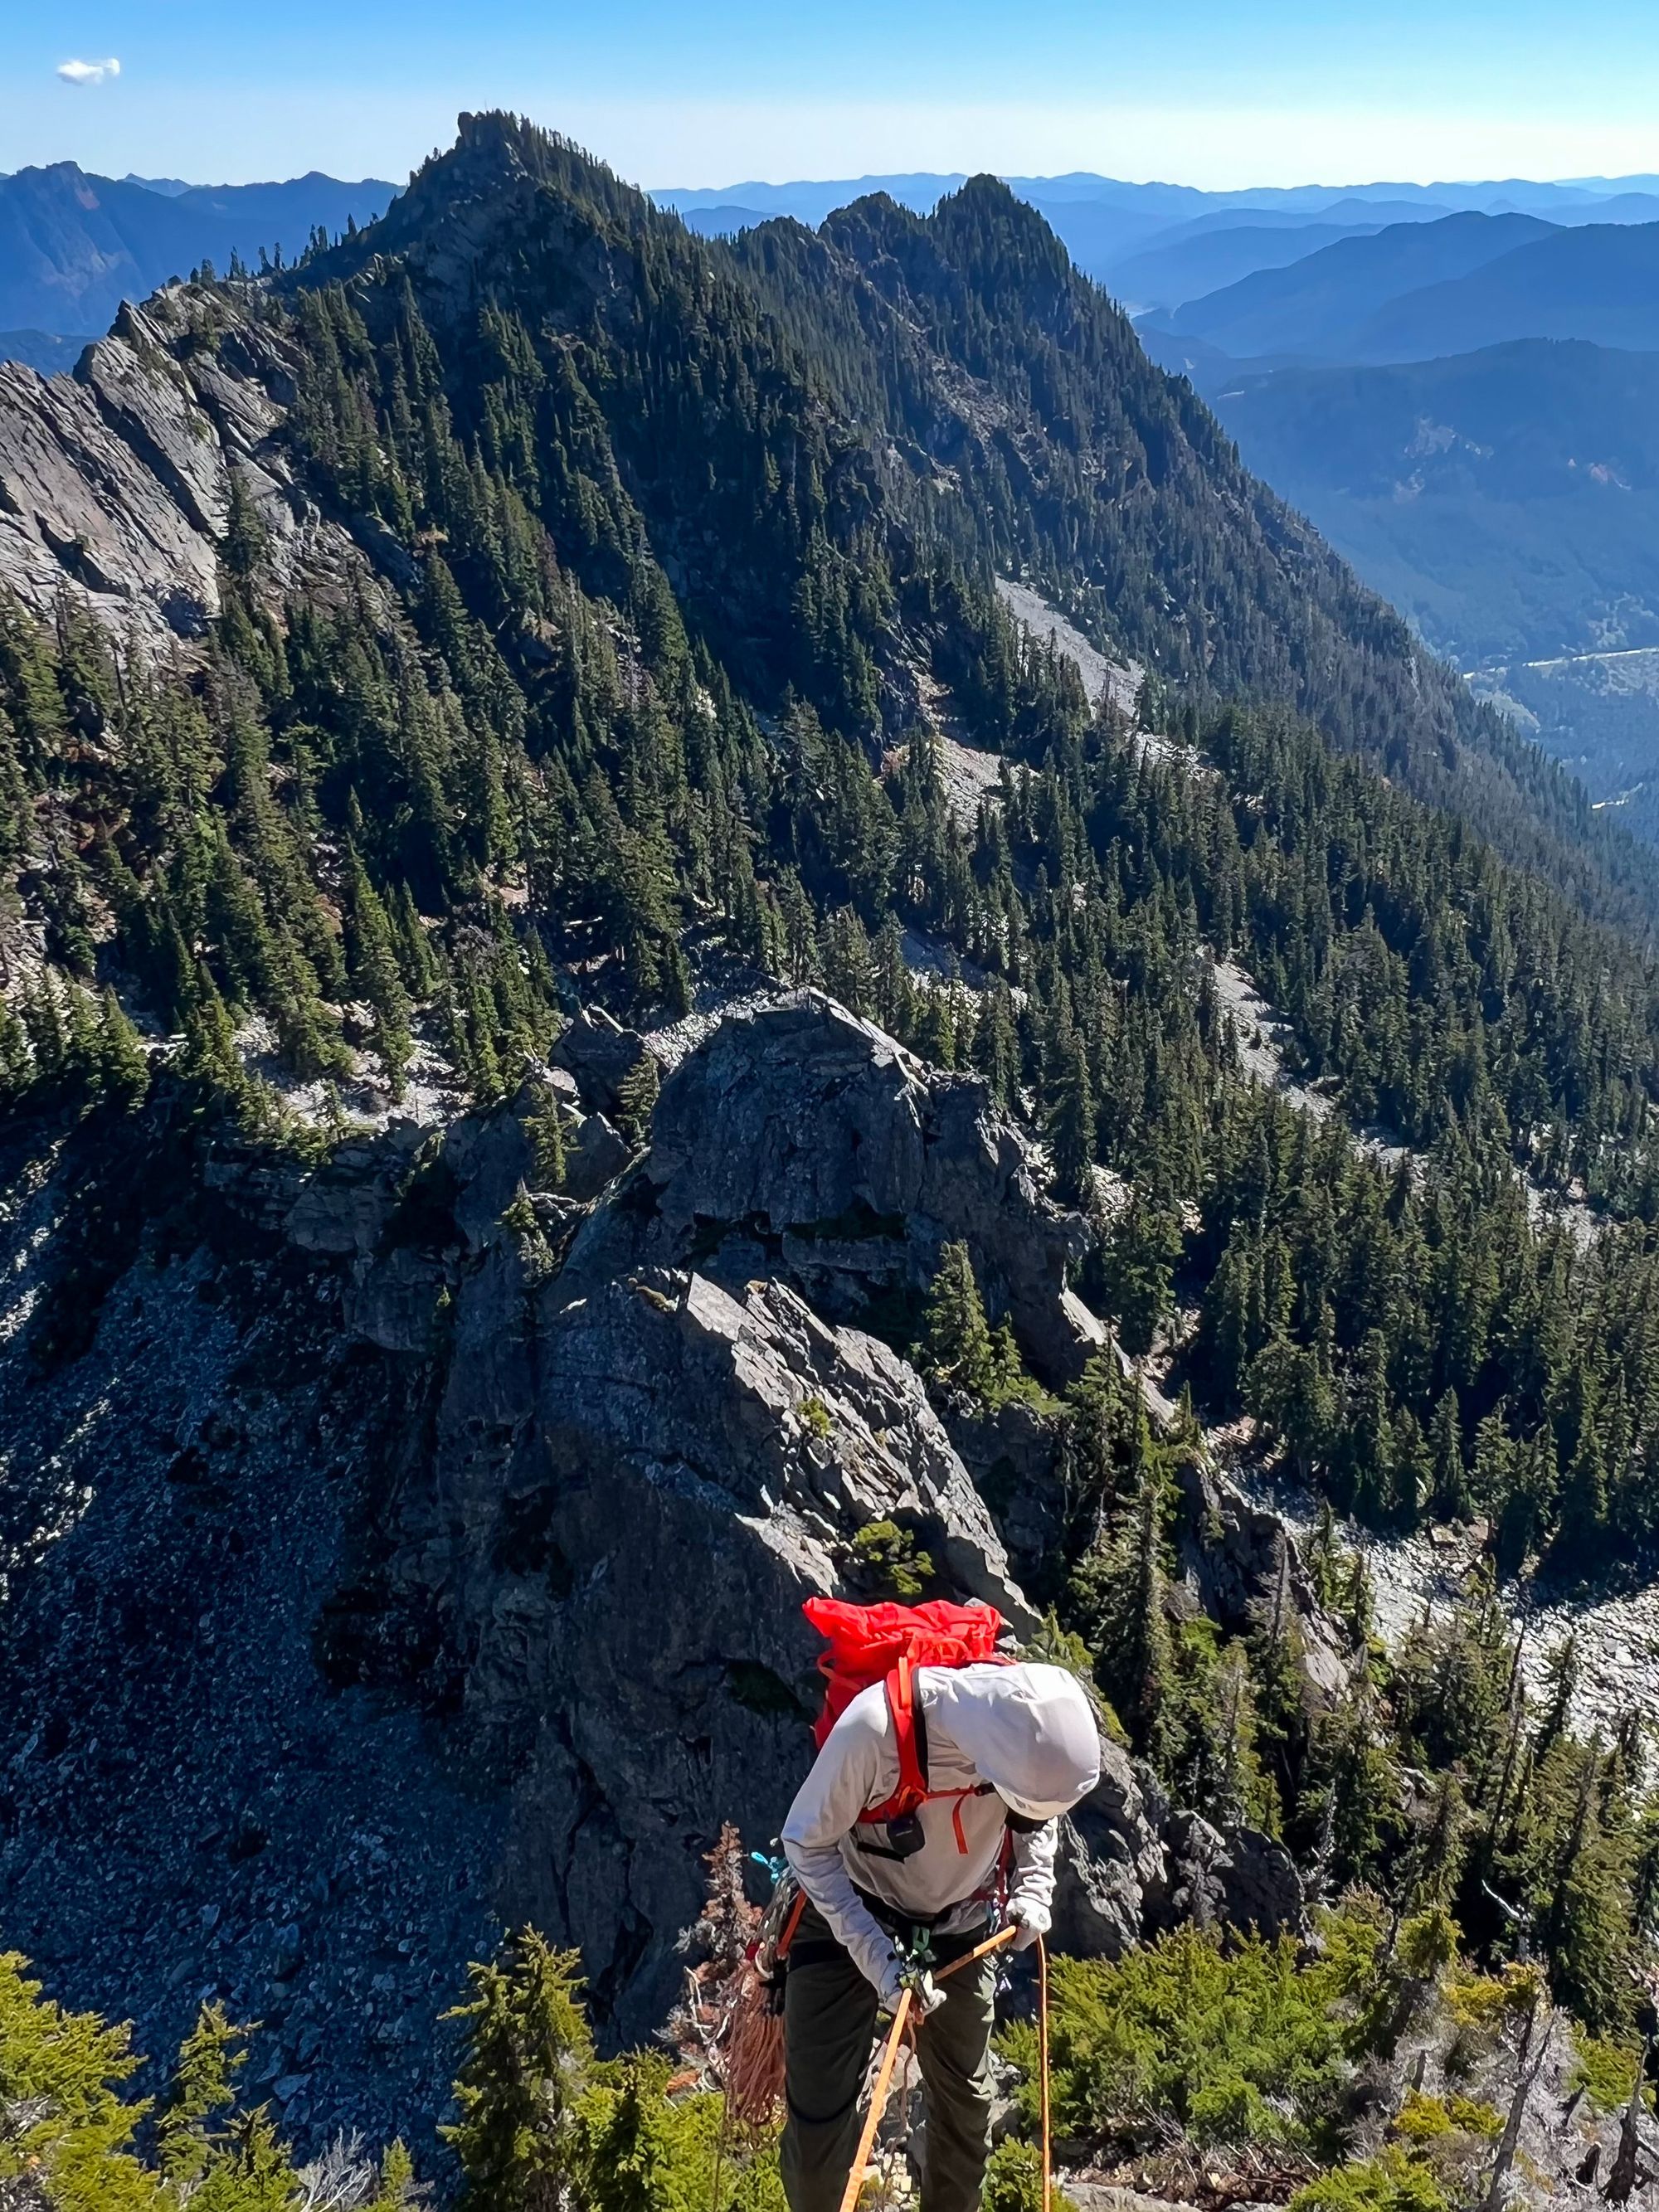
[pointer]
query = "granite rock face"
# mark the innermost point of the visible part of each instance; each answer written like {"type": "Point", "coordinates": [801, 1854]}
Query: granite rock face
{"type": "Point", "coordinates": [800, 1140]}
{"type": "Point", "coordinates": [395, 1549]}
{"type": "Point", "coordinates": [1013, 1454]}
{"type": "Point", "coordinates": [599, 1054]}
{"type": "Point", "coordinates": [1112, 1867]}
{"type": "Point", "coordinates": [115, 481]}
{"type": "Point", "coordinates": [1240, 1561]}
{"type": "Point", "coordinates": [1237, 1877]}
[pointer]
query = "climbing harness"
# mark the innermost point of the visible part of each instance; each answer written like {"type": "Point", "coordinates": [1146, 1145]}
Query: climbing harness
{"type": "Point", "coordinates": [904, 2024]}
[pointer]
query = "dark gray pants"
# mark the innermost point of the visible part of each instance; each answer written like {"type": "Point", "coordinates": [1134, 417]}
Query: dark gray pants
{"type": "Point", "coordinates": [828, 2026]}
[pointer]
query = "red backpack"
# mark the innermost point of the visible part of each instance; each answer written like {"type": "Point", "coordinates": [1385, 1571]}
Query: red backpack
{"type": "Point", "coordinates": [871, 1643]}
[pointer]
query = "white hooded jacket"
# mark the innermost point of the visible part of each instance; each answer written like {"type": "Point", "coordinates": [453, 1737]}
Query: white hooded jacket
{"type": "Point", "coordinates": [1018, 1739]}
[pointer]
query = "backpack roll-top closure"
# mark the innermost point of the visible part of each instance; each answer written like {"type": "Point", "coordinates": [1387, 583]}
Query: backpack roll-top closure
{"type": "Point", "coordinates": [886, 1643]}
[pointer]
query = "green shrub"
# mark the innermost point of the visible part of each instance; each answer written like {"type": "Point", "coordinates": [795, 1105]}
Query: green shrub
{"type": "Point", "coordinates": [883, 1562]}
{"type": "Point", "coordinates": [1238, 2046]}
{"type": "Point", "coordinates": [1606, 2070]}
{"type": "Point", "coordinates": [642, 2150]}
{"type": "Point", "coordinates": [66, 2133]}
{"type": "Point", "coordinates": [62, 2120]}
{"type": "Point", "coordinates": [544, 2122]}
{"type": "Point", "coordinates": [815, 1418]}
{"type": "Point", "coordinates": [1390, 2182]}
{"type": "Point", "coordinates": [1013, 2181]}
{"type": "Point", "coordinates": [1424, 2119]}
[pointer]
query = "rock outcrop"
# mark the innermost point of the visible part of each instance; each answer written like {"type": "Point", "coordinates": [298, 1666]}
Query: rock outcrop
{"type": "Point", "coordinates": [802, 1141]}
{"type": "Point", "coordinates": [449, 1567]}
{"type": "Point", "coordinates": [1113, 1872]}
{"type": "Point", "coordinates": [1241, 1563]}
{"type": "Point", "coordinates": [1237, 1878]}
{"type": "Point", "coordinates": [115, 481]}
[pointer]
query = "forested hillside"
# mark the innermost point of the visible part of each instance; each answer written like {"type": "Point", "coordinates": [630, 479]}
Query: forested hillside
{"type": "Point", "coordinates": [645, 688]}
{"type": "Point", "coordinates": [651, 658]}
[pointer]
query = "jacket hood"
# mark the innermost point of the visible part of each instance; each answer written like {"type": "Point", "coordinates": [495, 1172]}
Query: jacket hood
{"type": "Point", "coordinates": [1028, 1730]}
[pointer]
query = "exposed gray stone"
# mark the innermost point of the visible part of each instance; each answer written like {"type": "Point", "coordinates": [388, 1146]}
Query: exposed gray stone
{"type": "Point", "coordinates": [115, 480]}
{"type": "Point", "coordinates": [1241, 1559]}
{"type": "Point", "coordinates": [1111, 1865]}
{"type": "Point", "coordinates": [490, 1156]}
{"type": "Point", "coordinates": [1013, 1455]}
{"type": "Point", "coordinates": [801, 1137]}
{"type": "Point", "coordinates": [544, 1506]}
{"type": "Point", "coordinates": [600, 1055]}
{"type": "Point", "coordinates": [344, 1206]}
{"type": "Point", "coordinates": [594, 1156]}
{"type": "Point", "coordinates": [1240, 1878]}
{"type": "Point", "coordinates": [399, 1303]}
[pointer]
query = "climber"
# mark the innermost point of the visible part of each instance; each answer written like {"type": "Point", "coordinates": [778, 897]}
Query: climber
{"type": "Point", "coordinates": [1001, 1752]}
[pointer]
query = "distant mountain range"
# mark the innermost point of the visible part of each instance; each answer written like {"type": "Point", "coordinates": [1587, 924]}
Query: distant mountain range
{"type": "Point", "coordinates": [1601, 282]}
{"type": "Point", "coordinates": [1507, 500]}
{"type": "Point", "coordinates": [1326, 304]}
{"type": "Point", "coordinates": [1459, 384]}
{"type": "Point", "coordinates": [1109, 226]}
{"type": "Point", "coordinates": [73, 247]}
{"type": "Point", "coordinates": [1195, 258]}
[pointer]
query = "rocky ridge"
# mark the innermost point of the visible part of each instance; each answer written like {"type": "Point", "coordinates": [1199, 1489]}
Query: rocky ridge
{"type": "Point", "coordinates": [115, 481]}
{"type": "Point", "coordinates": [381, 1569]}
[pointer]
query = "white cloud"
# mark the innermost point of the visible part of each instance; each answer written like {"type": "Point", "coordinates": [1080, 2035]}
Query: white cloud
{"type": "Point", "coordinates": [89, 72]}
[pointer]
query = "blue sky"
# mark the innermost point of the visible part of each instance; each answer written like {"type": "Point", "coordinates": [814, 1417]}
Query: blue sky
{"type": "Point", "coordinates": [1216, 93]}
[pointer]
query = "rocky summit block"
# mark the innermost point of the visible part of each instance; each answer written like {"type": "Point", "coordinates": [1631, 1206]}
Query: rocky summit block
{"type": "Point", "coordinates": [801, 1141]}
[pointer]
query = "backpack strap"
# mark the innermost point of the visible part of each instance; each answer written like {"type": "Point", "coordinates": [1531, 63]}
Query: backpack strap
{"type": "Point", "coordinates": [910, 1741]}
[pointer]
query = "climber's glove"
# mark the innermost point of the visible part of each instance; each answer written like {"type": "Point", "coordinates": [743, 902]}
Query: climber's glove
{"type": "Point", "coordinates": [1029, 1918]}
{"type": "Point", "coordinates": [899, 1974]}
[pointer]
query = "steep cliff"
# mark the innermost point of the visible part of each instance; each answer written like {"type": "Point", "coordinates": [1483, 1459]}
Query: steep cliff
{"type": "Point", "coordinates": [379, 1570]}
{"type": "Point", "coordinates": [115, 482]}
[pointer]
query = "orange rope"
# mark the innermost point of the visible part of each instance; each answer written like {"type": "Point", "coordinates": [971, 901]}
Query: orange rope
{"type": "Point", "coordinates": [991, 1943]}
{"type": "Point", "coordinates": [1042, 2056]}
{"type": "Point", "coordinates": [878, 2103]}
{"type": "Point", "coordinates": [889, 2057]}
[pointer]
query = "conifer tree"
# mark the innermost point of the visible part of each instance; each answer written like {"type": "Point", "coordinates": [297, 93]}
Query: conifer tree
{"type": "Point", "coordinates": [188, 2137]}
{"type": "Point", "coordinates": [16, 1061]}
{"type": "Point", "coordinates": [376, 971]}
{"type": "Point", "coordinates": [67, 2134]}
{"type": "Point", "coordinates": [123, 1068]}
{"type": "Point", "coordinates": [1071, 1129]}
{"type": "Point", "coordinates": [957, 1350]}
{"type": "Point", "coordinates": [637, 1099]}
{"type": "Point", "coordinates": [1120, 1591]}
{"type": "Point", "coordinates": [546, 1123]}
{"type": "Point", "coordinates": [527, 2058]}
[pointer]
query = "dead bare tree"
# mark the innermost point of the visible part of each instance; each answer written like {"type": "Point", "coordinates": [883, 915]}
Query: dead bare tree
{"type": "Point", "coordinates": [1621, 2175]}
{"type": "Point", "coordinates": [1535, 2038]}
